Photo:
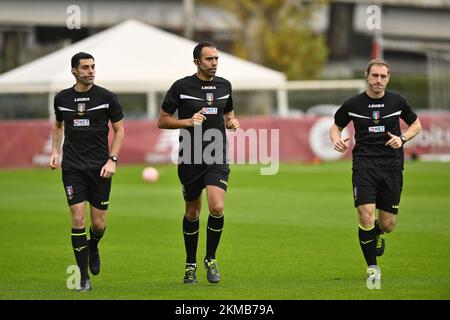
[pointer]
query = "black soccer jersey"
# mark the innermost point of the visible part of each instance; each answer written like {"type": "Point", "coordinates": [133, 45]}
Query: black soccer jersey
{"type": "Point", "coordinates": [373, 119]}
{"type": "Point", "coordinates": [190, 95]}
{"type": "Point", "coordinates": [86, 116]}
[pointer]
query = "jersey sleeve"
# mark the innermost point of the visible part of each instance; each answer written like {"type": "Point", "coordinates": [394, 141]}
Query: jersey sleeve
{"type": "Point", "coordinates": [58, 113]}
{"type": "Point", "coordinates": [341, 117]}
{"type": "Point", "coordinates": [229, 105]}
{"type": "Point", "coordinates": [115, 109]}
{"type": "Point", "coordinates": [408, 115]}
{"type": "Point", "coordinates": [172, 99]}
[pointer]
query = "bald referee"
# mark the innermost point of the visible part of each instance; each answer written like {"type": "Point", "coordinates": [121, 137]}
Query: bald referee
{"type": "Point", "coordinates": [204, 104]}
{"type": "Point", "coordinates": [83, 113]}
{"type": "Point", "coordinates": [377, 158]}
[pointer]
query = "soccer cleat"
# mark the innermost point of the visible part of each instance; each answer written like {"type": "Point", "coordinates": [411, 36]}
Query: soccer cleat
{"type": "Point", "coordinates": [373, 277]}
{"type": "Point", "coordinates": [94, 261]}
{"type": "Point", "coordinates": [190, 274]}
{"type": "Point", "coordinates": [212, 271]}
{"type": "Point", "coordinates": [381, 244]}
{"type": "Point", "coordinates": [85, 286]}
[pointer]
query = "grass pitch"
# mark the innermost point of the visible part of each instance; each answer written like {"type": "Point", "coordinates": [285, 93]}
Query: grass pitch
{"type": "Point", "coordinates": [288, 236]}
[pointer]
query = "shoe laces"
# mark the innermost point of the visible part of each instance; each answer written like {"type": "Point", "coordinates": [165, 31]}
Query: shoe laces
{"type": "Point", "coordinates": [372, 271]}
{"type": "Point", "coordinates": [189, 272]}
{"type": "Point", "coordinates": [212, 266]}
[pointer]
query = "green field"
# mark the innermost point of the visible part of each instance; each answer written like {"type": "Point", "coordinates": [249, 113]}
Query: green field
{"type": "Point", "coordinates": [288, 236]}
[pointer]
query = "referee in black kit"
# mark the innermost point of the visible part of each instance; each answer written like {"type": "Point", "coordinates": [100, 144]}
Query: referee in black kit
{"type": "Point", "coordinates": [205, 106]}
{"type": "Point", "coordinates": [84, 111]}
{"type": "Point", "coordinates": [377, 158]}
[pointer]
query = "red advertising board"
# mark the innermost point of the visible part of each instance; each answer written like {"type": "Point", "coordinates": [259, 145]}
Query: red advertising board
{"type": "Point", "coordinates": [260, 139]}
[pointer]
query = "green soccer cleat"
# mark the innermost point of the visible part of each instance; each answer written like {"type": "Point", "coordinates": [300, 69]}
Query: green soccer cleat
{"type": "Point", "coordinates": [381, 244]}
{"type": "Point", "coordinates": [212, 271]}
{"type": "Point", "coordinates": [190, 274]}
{"type": "Point", "coordinates": [85, 286]}
{"type": "Point", "coordinates": [94, 261]}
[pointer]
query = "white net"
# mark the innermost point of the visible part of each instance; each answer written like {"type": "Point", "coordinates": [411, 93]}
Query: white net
{"type": "Point", "coordinates": [437, 136]}
{"type": "Point", "coordinates": [439, 80]}
{"type": "Point", "coordinates": [321, 95]}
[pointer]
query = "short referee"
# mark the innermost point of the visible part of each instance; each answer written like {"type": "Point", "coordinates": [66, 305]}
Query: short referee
{"type": "Point", "coordinates": [83, 112]}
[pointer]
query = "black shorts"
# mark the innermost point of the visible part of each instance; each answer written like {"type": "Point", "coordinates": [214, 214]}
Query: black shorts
{"type": "Point", "coordinates": [195, 177]}
{"type": "Point", "coordinates": [82, 185]}
{"type": "Point", "coordinates": [382, 187]}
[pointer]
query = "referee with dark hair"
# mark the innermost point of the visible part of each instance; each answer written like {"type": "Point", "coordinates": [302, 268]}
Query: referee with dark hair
{"type": "Point", "coordinates": [83, 113]}
{"type": "Point", "coordinates": [377, 158]}
{"type": "Point", "coordinates": [205, 106]}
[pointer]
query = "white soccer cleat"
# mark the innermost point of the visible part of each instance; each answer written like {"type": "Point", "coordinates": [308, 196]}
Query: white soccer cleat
{"type": "Point", "coordinates": [373, 277]}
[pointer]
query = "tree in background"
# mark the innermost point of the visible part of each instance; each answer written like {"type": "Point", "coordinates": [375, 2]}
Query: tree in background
{"type": "Point", "coordinates": [278, 34]}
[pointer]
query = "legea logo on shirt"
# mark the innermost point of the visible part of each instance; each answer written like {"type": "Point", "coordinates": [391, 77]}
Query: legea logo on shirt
{"type": "Point", "coordinates": [209, 111]}
{"type": "Point", "coordinates": [81, 99]}
{"type": "Point", "coordinates": [81, 122]}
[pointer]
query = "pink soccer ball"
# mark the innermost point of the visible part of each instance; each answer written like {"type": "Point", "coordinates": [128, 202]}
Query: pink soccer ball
{"type": "Point", "coordinates": [150, 174]}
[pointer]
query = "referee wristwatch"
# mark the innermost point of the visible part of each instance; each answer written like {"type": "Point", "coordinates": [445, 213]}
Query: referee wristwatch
{"type": "Point", "coordinates": [403, 138]}
{"type": "Point", "coordinates": [114, 158]}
